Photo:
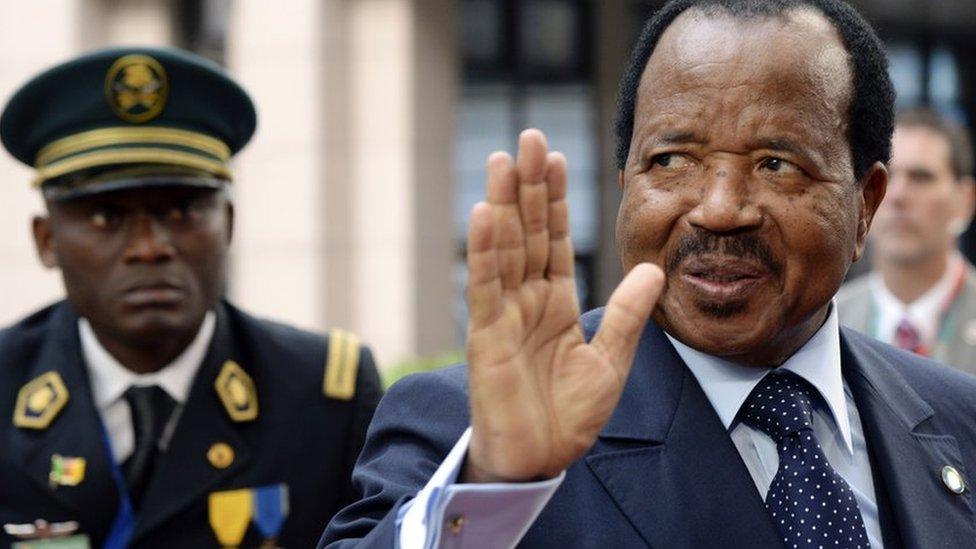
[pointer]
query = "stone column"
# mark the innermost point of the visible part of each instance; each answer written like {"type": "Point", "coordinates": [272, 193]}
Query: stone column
{"type": "Point", "coordinates": [344, 196]}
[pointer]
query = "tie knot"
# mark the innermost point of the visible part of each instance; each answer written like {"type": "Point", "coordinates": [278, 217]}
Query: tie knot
{"type": "Point", "coordinates": [907, 336]}
{"type": "Point", "coordinates": [779, 406]}
{"type": "Point", "coordinates": [151, 408]}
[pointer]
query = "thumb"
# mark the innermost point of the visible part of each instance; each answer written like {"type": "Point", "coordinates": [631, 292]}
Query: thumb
{"type": "Point", "coordinates": [626, 314]}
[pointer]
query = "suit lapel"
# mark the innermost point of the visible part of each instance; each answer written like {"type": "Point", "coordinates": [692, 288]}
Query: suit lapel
{"type": "Point", "coordinates": [75, 432]}
{"type": "Point", "coordinates": [909, 452]}
{"type": "Point", "coordinates": [665, 456]}
{"type": "Point", "coordinates": [184, 473]}
{"type": "Point", "coordinates": [855, 306]}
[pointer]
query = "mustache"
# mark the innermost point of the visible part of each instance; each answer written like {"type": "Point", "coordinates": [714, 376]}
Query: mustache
{"type": "Point", "coordinates": [743, 246]}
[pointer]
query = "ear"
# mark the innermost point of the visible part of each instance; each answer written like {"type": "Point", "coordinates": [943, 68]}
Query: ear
{"type": "Point", "coordinates": [229, 214]}
{"type": "Point", "coordinates": [872, 192]}
{"type": "Point", "coordinates": [966, 201]}
{"type": "Point", "coordinates": [44, 241]}
{"type": "Point", "coordinates": [620, 178]}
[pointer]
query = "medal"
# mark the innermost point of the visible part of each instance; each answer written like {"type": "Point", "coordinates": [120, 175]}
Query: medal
{"type": "Point", "coordinates": [270, 510]}
{"type": "Point", "coordinates": [230, 512]}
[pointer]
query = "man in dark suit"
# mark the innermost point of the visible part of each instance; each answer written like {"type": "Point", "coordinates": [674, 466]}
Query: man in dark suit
{"type": "Point", "coordinates": [753, 141]}
{"type": "Point", "coordinates": [145, 410]}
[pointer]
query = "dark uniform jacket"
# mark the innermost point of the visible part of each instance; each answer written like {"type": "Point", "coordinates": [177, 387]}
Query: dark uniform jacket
{"type": "Point", "coordinates": [664, 472]}
{"type": "Point", "coordinates": [300, 437]}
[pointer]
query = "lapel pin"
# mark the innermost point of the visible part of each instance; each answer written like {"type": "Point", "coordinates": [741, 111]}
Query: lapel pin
{"type": "Point", "coordinates": [66, 471]}
{"type": "Point", "coordinates": [237, 393]}
{"type": "Point", "coordinates": [953, 480]}
{"type": "Point", "coordinates": [220, 455]}
{"type": "Point", "coordinates": [39, 402]}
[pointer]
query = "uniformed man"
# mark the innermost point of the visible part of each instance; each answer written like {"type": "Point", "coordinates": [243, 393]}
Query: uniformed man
{"type": "Point", "coordinates": [145, 410]}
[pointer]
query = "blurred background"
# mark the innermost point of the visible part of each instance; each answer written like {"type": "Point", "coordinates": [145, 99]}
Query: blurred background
{"type": "Point", "coordinates": [375, 119]}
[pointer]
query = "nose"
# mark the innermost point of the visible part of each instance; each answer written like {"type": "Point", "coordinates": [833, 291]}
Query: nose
{"type": "Point", "coordinates": [148, 241]}
{"type": "Point", "coordinates": [898, 188]}
{"type": "Point", "coordinates": [726, 203]}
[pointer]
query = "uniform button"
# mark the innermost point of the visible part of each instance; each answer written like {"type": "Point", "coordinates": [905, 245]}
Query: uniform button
{"type": "Point", "coordinates": [220, 455]}
{"type": "Point", "coordinates": [953, 480]}
{"type": "Point", "coordinates": [456, 524]}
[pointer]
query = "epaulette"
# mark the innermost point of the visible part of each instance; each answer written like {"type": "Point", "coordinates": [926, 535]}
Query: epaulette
{"type": "Point", "coordinates": [341, 366]}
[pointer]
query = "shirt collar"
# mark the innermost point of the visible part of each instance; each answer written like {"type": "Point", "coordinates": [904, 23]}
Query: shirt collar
{"type": "Point", "coordinates": [923, 312]}
{"type": "Point", "coordinates": [727, 384]}
{"type": "Point", "coordinates": [109, 379]}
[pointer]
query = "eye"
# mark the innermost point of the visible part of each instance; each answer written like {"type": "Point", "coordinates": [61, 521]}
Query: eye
{"type": "Point", "coordinates": [670, 160]}
{"type": "Point", "coordinates": [779, 166]}
{"type": "Point", "coordinates": [103, 218]}
{"type": "Point", "coordinates": [177, 212]}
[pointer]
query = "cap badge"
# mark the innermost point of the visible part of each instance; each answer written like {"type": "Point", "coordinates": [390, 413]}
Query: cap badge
{"type": "Point", "coordinates": [136, 88]}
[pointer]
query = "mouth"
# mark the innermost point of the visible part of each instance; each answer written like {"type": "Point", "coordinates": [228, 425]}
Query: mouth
{"type": "Point", "coordinates": [719, 279]}
{"type": "Point", "coordinates": [154, 294]}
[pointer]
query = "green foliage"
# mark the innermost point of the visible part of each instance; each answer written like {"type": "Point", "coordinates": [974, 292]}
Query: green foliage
{"type": "Point", "coordinates": [421, 364]}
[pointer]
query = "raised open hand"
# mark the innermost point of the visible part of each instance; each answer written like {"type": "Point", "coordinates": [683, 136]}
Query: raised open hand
{"type": "Point", "coordinates": [539, 393]}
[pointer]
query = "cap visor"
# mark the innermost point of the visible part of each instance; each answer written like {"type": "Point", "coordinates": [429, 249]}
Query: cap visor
{"type": "Point", "coordinates": [70, 192]}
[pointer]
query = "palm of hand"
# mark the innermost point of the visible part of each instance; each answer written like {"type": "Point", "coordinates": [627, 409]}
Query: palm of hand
{"type": "Point", "coordinates": [539, 393]}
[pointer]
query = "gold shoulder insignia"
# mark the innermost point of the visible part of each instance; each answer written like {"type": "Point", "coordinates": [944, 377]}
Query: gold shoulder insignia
{"type": "Point", "coordinates": [40, 401]}
{"type": "Point", "coordinates": [341, 366]}
{"type": "Point", "coordinates": [237, 393]}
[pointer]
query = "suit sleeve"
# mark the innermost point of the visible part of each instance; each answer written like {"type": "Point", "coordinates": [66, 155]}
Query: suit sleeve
{"type": "Point", "coordinates": [415, 426]}
{"type": "Point", "coordinates": [369, 390]}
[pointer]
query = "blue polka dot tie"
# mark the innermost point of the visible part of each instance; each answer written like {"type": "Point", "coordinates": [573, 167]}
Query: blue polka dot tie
{"type": "Point", "coordinates": [810, 504]}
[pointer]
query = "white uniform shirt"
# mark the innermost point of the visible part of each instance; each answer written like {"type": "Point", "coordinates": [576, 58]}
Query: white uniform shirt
{"type": "Point", "coordinates": [109, 381]}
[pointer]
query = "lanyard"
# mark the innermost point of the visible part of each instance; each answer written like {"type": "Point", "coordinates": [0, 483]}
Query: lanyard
{"type": "Point", "coordinates": [945, 322]}
{"type": "Point", "coordinates": [125, 518]}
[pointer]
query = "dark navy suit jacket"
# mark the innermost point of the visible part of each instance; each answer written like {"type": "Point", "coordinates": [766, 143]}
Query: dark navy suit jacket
{"type": "Point", "coordinates": [300, 437]}
{"type": "Point", "coordinates": [664, 472]}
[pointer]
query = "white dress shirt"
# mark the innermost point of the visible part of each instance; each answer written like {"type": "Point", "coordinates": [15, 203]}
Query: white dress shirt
{"type": "Point", "coordinates": [924, 313]}
{"type": "Point", "coordinates": [503, 513]}
{"type": "Point", "coordinates": [109, 381]}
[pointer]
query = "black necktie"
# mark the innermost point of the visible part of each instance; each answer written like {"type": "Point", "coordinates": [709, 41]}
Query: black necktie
{"type": "Point", "coordinates": [810, 504]}
{"type": "Point", "coordinates": [151, 408]}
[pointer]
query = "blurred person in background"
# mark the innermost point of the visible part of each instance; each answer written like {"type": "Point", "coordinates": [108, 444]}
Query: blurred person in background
{"type": "Point", "coordinates": [145, 410]}
{"type": "Point", "coordinates": [921, 294]}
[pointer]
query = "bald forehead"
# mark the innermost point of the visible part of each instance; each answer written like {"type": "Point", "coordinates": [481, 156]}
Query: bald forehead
{"type": "Point", "coordinates": [798, 43]}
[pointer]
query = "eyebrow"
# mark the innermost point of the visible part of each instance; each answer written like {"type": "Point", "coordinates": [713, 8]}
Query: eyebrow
{"type": "Point", "coordinates": [778, 144]}
{"type": "Point", "coordinates": [675, 138]}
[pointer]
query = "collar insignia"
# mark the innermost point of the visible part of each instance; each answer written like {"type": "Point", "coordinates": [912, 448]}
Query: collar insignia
{"type": "Point", "coordinates": [40, 401]}
{"type": "Point", "coordinates": [237, 393]}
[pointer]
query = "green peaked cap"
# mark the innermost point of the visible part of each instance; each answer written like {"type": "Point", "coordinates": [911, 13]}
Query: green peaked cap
{"type": "Point", "coordinates": [128, 117]}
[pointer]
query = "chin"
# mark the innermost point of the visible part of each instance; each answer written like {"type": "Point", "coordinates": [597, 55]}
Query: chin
{"type": "Point", "coordinates": [152, 326]}
{"type": "Point", "coordinates": [729, 329]}
{"type": "Point", "coordinates": [721, 310]}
